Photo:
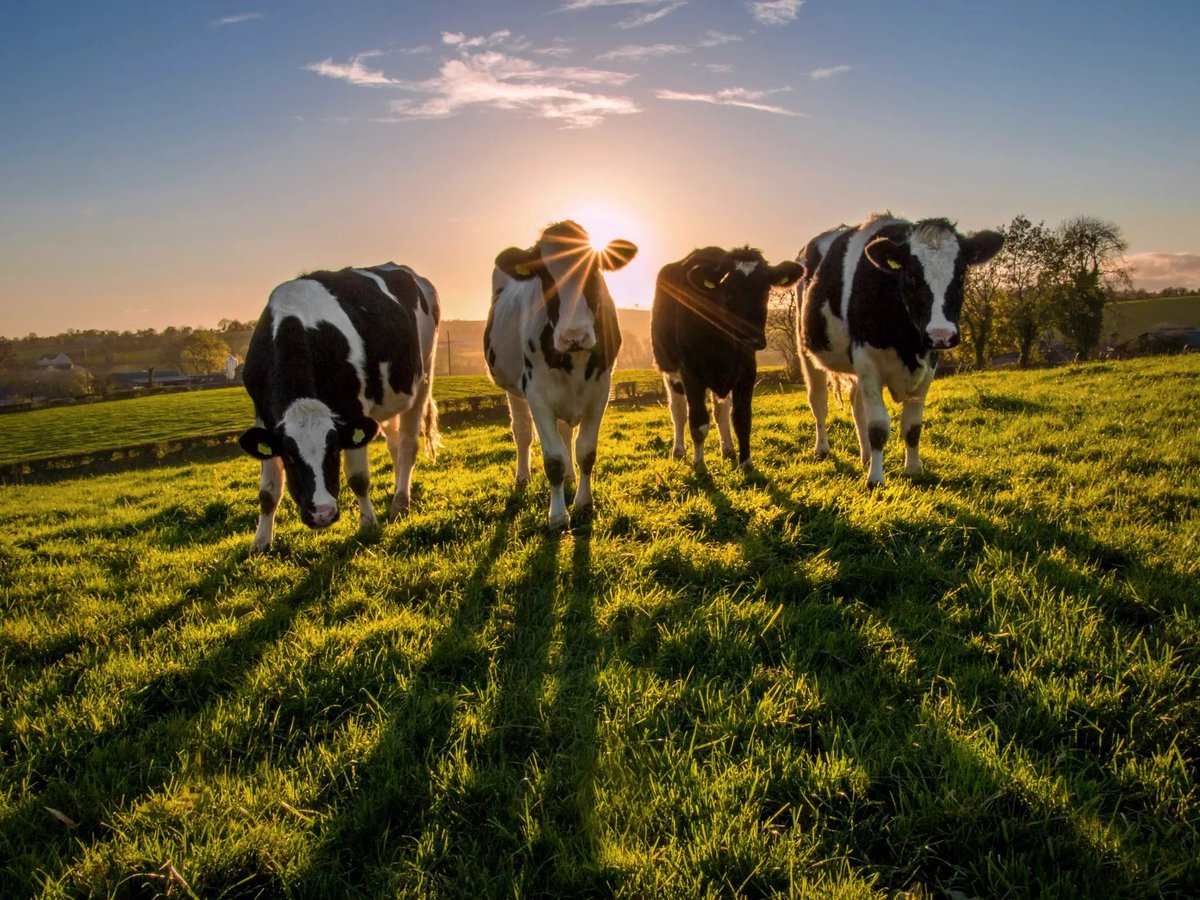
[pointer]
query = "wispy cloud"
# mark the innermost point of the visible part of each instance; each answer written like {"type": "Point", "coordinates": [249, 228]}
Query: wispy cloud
{"type": "Point", "coordinates": [740, 97]}
{"type": "Point", "coordinates": [774, 12]}
{"type": "Point", "coordinates": [1155, 271]}
{"type": "Point", "coordinates": [644, 51]}
{"type": "Point", "coordinates": [491, 79]}
{"type": "Point", "coordinates": [820, 74]}
{"type": "Point", "coordinates": [653, 16]}
{"type": "Point", "coordinates": [354, 71]}
{"type": "Point", "coordinates": [237, 20]}
{"type": "Point", "coordinates": [572, 5]}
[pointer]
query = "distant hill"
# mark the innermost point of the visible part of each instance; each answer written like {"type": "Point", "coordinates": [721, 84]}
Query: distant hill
{"type": "Point", "coordinates": [1129, 318]}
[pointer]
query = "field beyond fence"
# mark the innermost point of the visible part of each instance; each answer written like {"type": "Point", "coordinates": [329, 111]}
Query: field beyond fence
{"type": "Point", "coordinates": [982, 681]}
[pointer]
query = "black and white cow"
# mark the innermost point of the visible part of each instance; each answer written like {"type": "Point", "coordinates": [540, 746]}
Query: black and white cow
{"type": "Point", "coordinates": [880, 300]}
{"type": "Point", "coordinates": [335, 356]}
{"type": "Point", "coordinates": [708, 320]}
{"type": "Point", "coordinates": [550, 342]}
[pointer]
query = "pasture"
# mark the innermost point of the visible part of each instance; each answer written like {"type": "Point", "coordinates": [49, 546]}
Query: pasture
{"type": "Point", "coordinates": [981, 682]}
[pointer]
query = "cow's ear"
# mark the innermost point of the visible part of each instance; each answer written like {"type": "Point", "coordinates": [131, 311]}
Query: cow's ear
{"type": "Point", "coordinates": [981, 246]}
{"type": "Point", "coordinates": [617, 255]}
{"type": "Point", "coordinates": [259, 442]}
{"type": "Point", "coordinates": [887, 255]}
{"type": "Point", "coordinates": [520, 264]}
{"type": "Point", "coordinates": [357, 432]}
{"type": "Point", "coordinates": [786, 273]}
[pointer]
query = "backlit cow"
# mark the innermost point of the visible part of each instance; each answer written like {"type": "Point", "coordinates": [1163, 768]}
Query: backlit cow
{"type": "Point", "coordinates": [881, 299]}
{"type": "Point", "coordinates": [550, 342]}
{"type": "Point", "coordinates": [708, 320]}
{"type": "Point", "coordinates": [334, 356]}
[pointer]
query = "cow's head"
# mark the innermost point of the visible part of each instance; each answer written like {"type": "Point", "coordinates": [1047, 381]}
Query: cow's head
{"type": "Point", "coordinates": [309, 440]}
{"type": "Point", "coordinates": [738, 285]}
{"type": "Point", "coordinates": [573, 287]}
{"type": "Point", "coordinates": [930, 261]}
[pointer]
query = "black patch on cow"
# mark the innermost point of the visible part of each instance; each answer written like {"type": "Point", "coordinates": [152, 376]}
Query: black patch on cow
{"type": "Point", "coordinates": [588, 463]}
{"type": "Point", "coordinates": [912, 437]}
{"type": "Point", "coordinates": [677, 387]}
{"type": "Point", "coordinates": [553, 358]}
{"type": "Point", "coordinates": [528, 363]}
{"type": "Point", "coordinates": [491, 357]}
{"type": "Point", "coordinates": [267, 502]}
{"type": "Point", "coordinates": [595, 365]}
{"type": "Point", "coordinates": [359, 484]}
{"type": "Point", "coordinates": [877, 436]}
{"type": "Point", "coordinates": [556, 472]}
{"type": "Point", "coordinates": [532, 348]}
{"type": "Point", "coordinates": [824, 291]}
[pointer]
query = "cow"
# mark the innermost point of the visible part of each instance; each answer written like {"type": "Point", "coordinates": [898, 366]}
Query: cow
{"type": "Point", "coordinates": [335, 358]}
{"type": "Point", "coordinates": [881, 299]}
{"type": "Point", "coordinates": [550, 342]}
{"type": "Point", "coordinates": [707, 322]}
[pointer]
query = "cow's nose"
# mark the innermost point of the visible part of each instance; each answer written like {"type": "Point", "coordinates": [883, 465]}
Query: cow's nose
{"type": "Point", "coordinates": [324, 515]}
{"type": "Point", "coordinates": [576, 340]}
{"type": "Point", "coordinates": [943, 338]}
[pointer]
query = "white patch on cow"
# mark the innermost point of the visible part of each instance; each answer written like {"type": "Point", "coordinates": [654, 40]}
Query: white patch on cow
{"type": "Point", "coordinates": [890, 370]}
{"type": "Point", "coordinates": [307, 422]}
{"type": "Point", "coordinates": [379, 282]}
{"type": "Point", "coordinates": [568, 263]}
{"type": "Point", "coordinates": [936, 248]}
{"type": "Point", "coordinates": [747, 268]}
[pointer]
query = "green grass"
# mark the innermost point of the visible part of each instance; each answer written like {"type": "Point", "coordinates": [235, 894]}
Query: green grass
{"type": "Point", "coordinates": [984, 682]}
{"type": "Point", "coordinates": [1129, 318]}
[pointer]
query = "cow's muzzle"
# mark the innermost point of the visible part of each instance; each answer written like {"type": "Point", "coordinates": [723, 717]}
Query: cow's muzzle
{"type": "Point", "coordinates": [571, 341]}
{"type": "Point", "coordinates": [320, 516]}
{"type": "Point", "coordinates": [943, 338]}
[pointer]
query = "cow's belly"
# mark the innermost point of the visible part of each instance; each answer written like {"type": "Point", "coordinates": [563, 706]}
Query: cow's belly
{"type": "Point", "coordinates": [394, 402]}
{"type": "Point", "coordinates": [892, 372]}
{"type": "Point", "coordinates": [568, 395]}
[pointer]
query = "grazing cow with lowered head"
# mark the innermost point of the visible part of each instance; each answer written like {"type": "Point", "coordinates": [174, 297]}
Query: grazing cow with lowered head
{"type": "Point", "coordinates": [550, 342]}
{"type": "Point", "coordinates": [881, 299]}
{"type": "Point", "coordinates": [335, 356]}
{"type": "Point", "coordinates": [708, 320]}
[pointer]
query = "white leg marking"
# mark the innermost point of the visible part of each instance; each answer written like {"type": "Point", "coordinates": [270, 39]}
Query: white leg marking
{"type": "Point", "coordinates": [270, 491]}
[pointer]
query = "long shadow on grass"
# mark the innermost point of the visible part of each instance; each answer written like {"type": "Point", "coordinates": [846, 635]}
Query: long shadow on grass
{"type": "Point", "coordinates": [96, 775]}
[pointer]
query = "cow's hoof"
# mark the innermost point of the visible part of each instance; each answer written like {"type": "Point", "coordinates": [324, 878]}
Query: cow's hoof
{"type": "Point", "coordinates": [677, 454]}
{"type": "Point", "coordinates": [560, 523]}
{"type": "Point", "coordinates": [729, 454]}
{"type": "Point", "coordinates": [746, 465]}
{"type": "Point", "coordinates": [367, 525]}
{"type": "Point", "coordinates": [522, 483]}
{"type": "Point", "coordinates": [582, 513]}
{"type": "Point", "coordinates": [872, 485]}
{"type": "Point", "coordinates": [259, 549]}
{"type": "Point", "coordinates": [821, 455]}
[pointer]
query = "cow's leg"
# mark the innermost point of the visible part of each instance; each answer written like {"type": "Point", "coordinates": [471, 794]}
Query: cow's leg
{"type": "Point", "coordinates": [407, 427]}
{"type": "Point", "coordinates": [698, 420]}
{"type": "Point", "coordinates": [585, 449]}
{"type": "Point", "coordinates": [567, 433]}
{"type": "Point", "coordinates": [270, 490]}
{"type": "Point", "coordinates": [522, 429]}
{"type": "Point", "coordinates": [721, 412]}
{"type": "Point", "coordinates": [859, 413]}
{"type": "Point", "coordinates": [678, 405]}
{"type": "Point", "coordinates": [912, 415]}
{"type": "Point", "coordinates": [817, 383]}
{"type": "Point", "coordinates": [554, 459]}
{"type": "Point", "coordinates": [742, 398]}
{"type": "Point", "coordinates": [357, 467]}
{"type": "Point", "coordinates": [878, 422]}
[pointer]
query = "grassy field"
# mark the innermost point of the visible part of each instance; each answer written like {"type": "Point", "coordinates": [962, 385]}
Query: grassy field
{"type": "Point", "coordinates": [984, 682]}
{"type": "Point", "coordinates": [1129, 318]}
{"type": "Point", "coordinates": [166, 417]}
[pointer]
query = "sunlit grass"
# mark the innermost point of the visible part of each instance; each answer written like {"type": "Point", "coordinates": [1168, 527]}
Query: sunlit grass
{"type": "Point", "coordinates": [983, 681]}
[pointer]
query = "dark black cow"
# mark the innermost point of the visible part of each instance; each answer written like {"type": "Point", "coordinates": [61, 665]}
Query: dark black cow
{"type": "Point", "coordinates": [708, 320]}
{"type": "Point", "coordinates": [881, 299]}
{"type": "Point", "coordinates": [334, 356]}
{"type": "Point", "coordinates": [551, 342]}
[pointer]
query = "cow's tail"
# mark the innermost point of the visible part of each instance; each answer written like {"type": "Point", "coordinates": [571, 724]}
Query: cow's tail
{"type": "Point", "coordinates": [429, 427]}
{"type": "Point", "coordinates": [842, 386]}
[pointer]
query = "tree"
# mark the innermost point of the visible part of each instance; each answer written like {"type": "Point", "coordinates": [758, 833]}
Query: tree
{"type": "Point", "coordinates": [983, 300]}
{"type": "Point", "coordinates": [202, 352]}
{"type": "Point", "coordinates": [1090, 266]}
{"type": "Point", "coordinates": [8, 354]}
{"type": "Point", "coordinates": [1025, 267]}
{"type": "Point", "coordinates": [783, 311]}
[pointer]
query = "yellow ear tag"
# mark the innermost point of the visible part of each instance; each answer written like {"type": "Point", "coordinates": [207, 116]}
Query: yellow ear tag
{"type": "Point", "coordinates": [521, 270]}
{"type": "Point", "coordinates": [708, 284]}
{"type": "Point", "coordinates": [892, 264]}
{"type": "Point", "coordinates": [265, 450]}
{"type": "Point", "coordinates": [358, 436]}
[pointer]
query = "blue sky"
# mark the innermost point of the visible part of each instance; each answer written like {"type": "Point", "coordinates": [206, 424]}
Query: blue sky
{"type": "Point", "coordinates": [169, 163]}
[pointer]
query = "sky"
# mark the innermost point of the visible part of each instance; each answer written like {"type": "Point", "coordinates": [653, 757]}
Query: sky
{"type": "Point", "coordinates": [170, 163]}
